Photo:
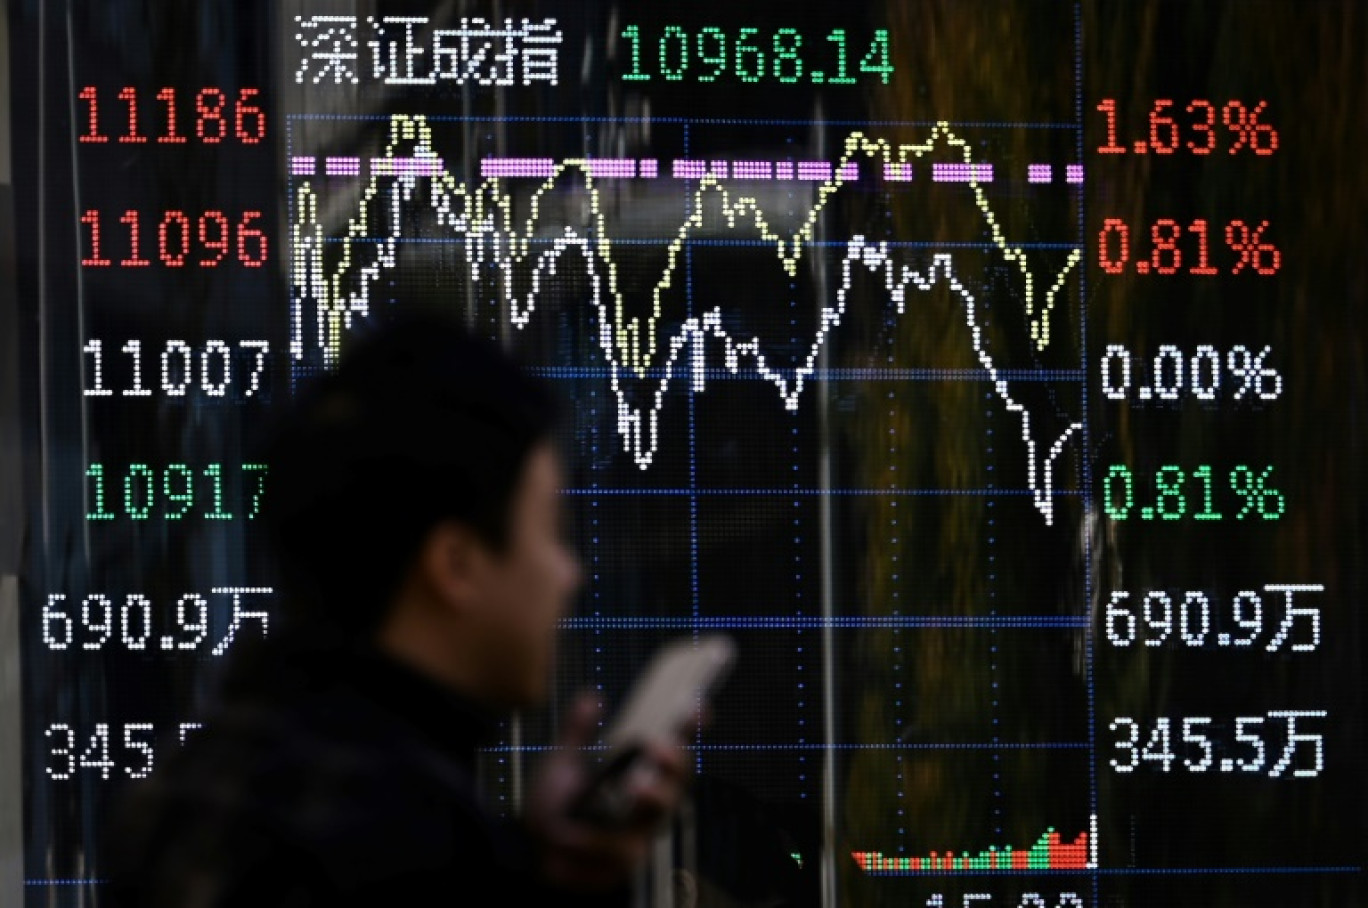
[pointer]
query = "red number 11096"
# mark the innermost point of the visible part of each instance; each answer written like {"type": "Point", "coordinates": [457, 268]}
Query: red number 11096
{"type": "Point", "coordinates": [205, 240]}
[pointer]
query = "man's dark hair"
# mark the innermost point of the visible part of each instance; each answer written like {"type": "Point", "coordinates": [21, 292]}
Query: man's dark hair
{"type": "Point", "coordinates": [419, 423]}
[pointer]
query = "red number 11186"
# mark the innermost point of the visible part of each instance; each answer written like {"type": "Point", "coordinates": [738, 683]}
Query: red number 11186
{"type": "Point", "coordinates": [216, 118]}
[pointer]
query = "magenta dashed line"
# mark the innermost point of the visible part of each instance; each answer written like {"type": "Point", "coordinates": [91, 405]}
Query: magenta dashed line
{"type": "Point", "coordinates": [541, 168]}
{"type": "Point", "coordinates": [342, 167]}
{"type": "Point", "coordinates": [407, 167]}
{"type": "Point", "coordinates": [303, 166]}
{"type": "Point", "coordinates": [961, 173]}
{"type": "Point", "coordinates": [681, 169]}
{"type": "Point", "coordinates": [418, 167]}
{"type": "Point", "coordinates": [898, 173]}
{"type": "Point", "coordinates": [612, 168]}
{"type": "Point", "coordinates": [689, 170]}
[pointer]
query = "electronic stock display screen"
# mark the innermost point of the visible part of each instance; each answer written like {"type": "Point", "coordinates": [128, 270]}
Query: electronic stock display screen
{"type": "Point", "coordinates": [992, 372]}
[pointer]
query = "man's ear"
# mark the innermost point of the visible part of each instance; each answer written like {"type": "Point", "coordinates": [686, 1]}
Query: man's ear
{"type": "Point", "coordinates": [452, 562]}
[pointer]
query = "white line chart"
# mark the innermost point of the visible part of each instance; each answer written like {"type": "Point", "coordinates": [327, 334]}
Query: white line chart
{"type": "Point", "coordinates": [482, 216]}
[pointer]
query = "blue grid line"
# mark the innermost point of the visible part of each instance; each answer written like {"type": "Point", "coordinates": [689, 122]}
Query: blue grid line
{"type": "Point", "coordinates": [685, 121]}
{"type": "Point", "coordinates": [1104, 871]}
{"type": "Point", "coordinates": [895, 745]}
{"type": "Point", "coordinates": [1057, 493]}
{"type": "Point", "coordinates": [873, 373]}
{"type": "Point", "coordinates": [756, 243]}
{"type": "Point", "coordinates": [1122, 871]}
{"type": "Point", "coordinates": [807, 622]}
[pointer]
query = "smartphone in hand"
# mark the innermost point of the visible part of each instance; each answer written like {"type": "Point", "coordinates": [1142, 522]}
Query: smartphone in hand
{"type": "Point", "coordinates": [660, 707]}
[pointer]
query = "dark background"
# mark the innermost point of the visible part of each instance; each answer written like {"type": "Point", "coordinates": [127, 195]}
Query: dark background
{"type": "Point", "coordinates": [877, 539]}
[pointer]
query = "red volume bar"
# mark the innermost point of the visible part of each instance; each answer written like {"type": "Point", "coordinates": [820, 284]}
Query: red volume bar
{"type": "Point", "coordinates": [1048, 853]}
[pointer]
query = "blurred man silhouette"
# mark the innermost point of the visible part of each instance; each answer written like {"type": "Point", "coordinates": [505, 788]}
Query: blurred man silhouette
{"type": "Point", "coordinates": [413, 499]}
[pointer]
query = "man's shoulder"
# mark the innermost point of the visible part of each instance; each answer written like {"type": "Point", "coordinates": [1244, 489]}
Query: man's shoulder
{"type": "Point", "coordinates": [315, 766]}
{"type": "Point", "coordinates": [329, 788]}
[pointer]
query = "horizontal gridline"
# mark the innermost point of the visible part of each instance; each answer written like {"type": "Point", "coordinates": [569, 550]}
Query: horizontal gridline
{"type": "Point", "coordinates": [808, 747]}
{"type": "Point", "coordinates": [1131, 871]}
{"type": "Point", "coordinates": [702, 121]}
{"type": "Point", "coordinates": [1101, 871]}
{"type": "Point", "coordinates": [804, 622]}
{"type": "Point", "coordinates": [1185, 871]}
{"type": "Point", "coordinates": [987, 493]}
{"type": "Point", "coordinates": [697, 241]}
{"type": "Point", "coordinates": [856, 374]}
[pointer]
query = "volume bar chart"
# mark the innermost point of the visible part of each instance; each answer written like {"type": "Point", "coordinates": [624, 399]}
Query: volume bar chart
{"type": "Point", "coordinates": [1049, 852]}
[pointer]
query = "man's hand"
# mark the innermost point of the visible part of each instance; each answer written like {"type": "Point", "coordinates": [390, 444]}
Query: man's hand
{"type": "Point", "coordinates": [582, 855]}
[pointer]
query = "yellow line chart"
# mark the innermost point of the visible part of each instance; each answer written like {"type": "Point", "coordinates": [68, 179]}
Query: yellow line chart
{"type": "Point", "coordinates": [483, 215]}
{"type": "Point", "coordinates": [487, 210]}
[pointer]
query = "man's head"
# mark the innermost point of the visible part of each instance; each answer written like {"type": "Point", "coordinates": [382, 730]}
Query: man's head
{"type": "Point", "coordinates": [414, 499]}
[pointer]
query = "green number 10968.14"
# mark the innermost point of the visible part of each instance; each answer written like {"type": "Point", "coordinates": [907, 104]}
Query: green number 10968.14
{"type": "Point", "coordinates": [712, 54]}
